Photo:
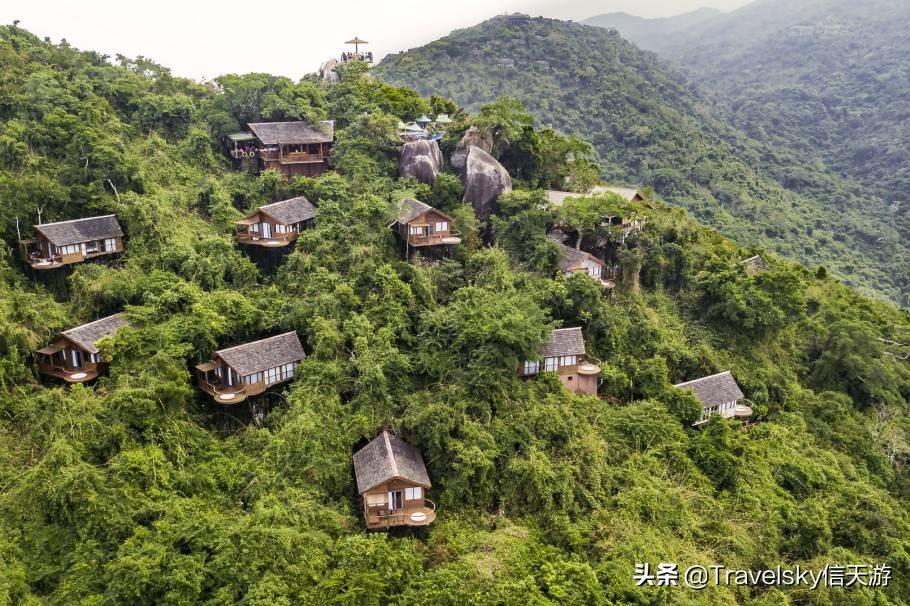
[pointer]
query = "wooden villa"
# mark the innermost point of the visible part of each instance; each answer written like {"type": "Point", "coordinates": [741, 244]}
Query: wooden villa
{"type": "Point", "coordinates": [420, 225]}
{"type": "Point", "coordinates": [68, 242]}
{"type": "Point", "coordinates": [73, 356]}
{"type": "Point", "coordinates": [277, 224]}
{"type": "Point", "coordinates": [574, 261]}
{"type": "Point", "coordinates": [392, 480]}
{"type": "Point", "coordinates": [293, 148]}
{"type": "Point", "coordinates": [237, 373]}
{"type": "Point", "coordinates": [719, 395]}
{"type": "Point", "coordinates": [628, 225]}
{"type": "Point", "coordinates": [564, 353]}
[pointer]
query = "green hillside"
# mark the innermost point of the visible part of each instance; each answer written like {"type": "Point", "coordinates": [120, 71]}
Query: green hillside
{"type": "Point", "coordinates": [138, 490]}
{"type": "Point", "coordinates": [827, 81]}
{"type": "Point", "coordinates": [648, 126]}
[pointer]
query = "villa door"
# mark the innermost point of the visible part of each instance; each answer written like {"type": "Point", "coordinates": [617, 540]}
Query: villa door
{"type": "Point", "coordinates": [266, 230]}
{"type": "Point", "coordinates": [396, 500]}
{"type": "Point", "coordinates": [77, 358]}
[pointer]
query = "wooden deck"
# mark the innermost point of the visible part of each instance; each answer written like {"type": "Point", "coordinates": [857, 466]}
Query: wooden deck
{"type": "Point", "coordinates": [409, 516]}
{"type": "Point", "coordinates": [452, 238]}
{"type": "Point", "coordinates": [276, 241]}
{"type": "Point", "coordinates": [88, 372]}
{"type": "Point", "coordinates": [291, 158]}
{"type": "Point", "coordinates": [234, 394]}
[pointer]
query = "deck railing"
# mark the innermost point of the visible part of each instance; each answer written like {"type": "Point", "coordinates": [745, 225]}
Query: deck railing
{"type": "Point", "coordinates": [418, 240]}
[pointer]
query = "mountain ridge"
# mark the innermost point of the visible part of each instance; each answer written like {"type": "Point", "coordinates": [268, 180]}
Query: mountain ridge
{"type": "Point", "coordinates": [650, 125]}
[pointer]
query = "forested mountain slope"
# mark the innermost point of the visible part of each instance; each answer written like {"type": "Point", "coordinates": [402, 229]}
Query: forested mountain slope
{"type": "Point", "coordinates": [651, 34]}
{"type": "Point", "coordinates": [648, 126]}
{"type": "Point", "coordinates": [135, 490]}
{"type": "Point", "coordinates": [828, 80]}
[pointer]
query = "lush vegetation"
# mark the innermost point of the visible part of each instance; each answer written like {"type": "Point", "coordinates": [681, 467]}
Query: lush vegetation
{"type": "Point", "coordinates": [826, 81]}
{"type": "Point", "coordinates": [134, 491]}
{"type": "Point", "coordinates": [649, 126]}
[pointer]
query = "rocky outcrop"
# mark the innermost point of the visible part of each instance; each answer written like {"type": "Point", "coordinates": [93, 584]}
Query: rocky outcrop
{"type": "Point", "coordinates": [420, 159]}
{"type": "Point", "coordinates": [484, 180]}
{"type": "Point", "coordinates": [472, 138]}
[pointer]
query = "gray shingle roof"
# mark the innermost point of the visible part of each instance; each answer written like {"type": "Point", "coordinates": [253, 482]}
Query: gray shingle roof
{"type": "Point", "coordinates": [564, 342]}
{"type": "Point", "coordinates": [87, 335]}
{"type": "Point", "coordinates": [409, 209]}
{"type": "Point", "coordinates": [713, 390]}
{"type": "Point", "coordinates": [273, 133]}
{"type": "Point", "coordinates": [626, 192]}
{"type": "Point", "coordinates": [77, 231]}
{"type": "Point", "coordinates": [569, 257]}
{"type": "Point", "coordinates": [290, 211]}
{"type": "Point", "coordinates": [385, 458]}
{"type": "Point", "coordinates": [263, 354]}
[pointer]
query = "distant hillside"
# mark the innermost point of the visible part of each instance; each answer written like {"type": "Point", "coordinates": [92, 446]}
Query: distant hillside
{"type": "Point", "coordinates": [648, 126]}
{"type": "Point", "coordinates": [652, 34]}
{"type": "Point", "coordinates": [827, 80]}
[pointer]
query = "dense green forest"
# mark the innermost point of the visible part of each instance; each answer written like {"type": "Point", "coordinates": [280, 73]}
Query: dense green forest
{"type": "Point", "coordinates": [649, 126]}
{"type": "Point", "coordinates": [135, 491]}
{"type": "Point", "coordinates": [827, 81]}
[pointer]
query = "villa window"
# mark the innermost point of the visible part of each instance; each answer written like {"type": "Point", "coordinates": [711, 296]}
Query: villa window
{"type": "Point", "coordinates": [532, 368]}
{"type": "Point", "coordinates": [413, 494]}
{"type": "Point", "coordinates": [551, 364]}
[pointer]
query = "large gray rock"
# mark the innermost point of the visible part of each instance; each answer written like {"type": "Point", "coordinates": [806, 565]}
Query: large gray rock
{"type": "Point", "coordinates": [484, 180]}
{"type": "Point", "coordinates": [472, 138]}
{"type": "Point", "coordinates": [420, 159]}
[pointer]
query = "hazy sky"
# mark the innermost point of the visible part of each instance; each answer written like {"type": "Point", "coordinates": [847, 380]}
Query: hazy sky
{"type": "Point", "coordinates": [204, 38]}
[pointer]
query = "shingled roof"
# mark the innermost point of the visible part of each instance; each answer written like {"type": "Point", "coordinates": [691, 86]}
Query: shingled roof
{"type": "Point", "coordinates": [65, 233]}
{"type": "Point", "coordinates": [558, 198]}
{"type": "Point", "coordinates": [290, 211]}
{"type": "Point", "coordinates": [387, 458]}
{"type": "Point", "coordinates": [627, 193]}
{"type": "Point", "coordinates": [714, 390]}
{"type": "Point", "coordinates": [570, 258]}
{"type": "Point", "coordinates": [87, 335]}
{"type": "Point", "coordinates": [409, 209]}
{"type": "Point", "coordinates": [273, 133]}
{"type": "Point", "coordinates": [263, 354]}
{"type": "Point", "coordinates": [564, 342]}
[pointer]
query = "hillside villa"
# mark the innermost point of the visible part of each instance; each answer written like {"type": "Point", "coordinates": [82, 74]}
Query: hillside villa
{"type": "Point", "coordinates": [74, 241]}
{"type": "Point", "coordinates": [392, 480]}
{"type": "Point", "coordinates": [236, 373]}
{"type": "Point", "coordinates": [564, 353]}
{"type": "Point", "coordinates": [73, 355]}
{"type": "Point", "coordinates": [277, 224]}
{"type": "Point", "coordinates": [719, 395]}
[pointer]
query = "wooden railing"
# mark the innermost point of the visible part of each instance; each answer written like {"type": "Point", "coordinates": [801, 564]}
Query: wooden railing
{"type": "Point", "coordinates": [429, 239]}
{"type": "Point", "coordinates": [254, 237]}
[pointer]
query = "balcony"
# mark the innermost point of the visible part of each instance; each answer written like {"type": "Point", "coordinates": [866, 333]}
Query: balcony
{"type": "Point", "coordinates": [39, 262]}
{"type": "Point", "coordinates": [224, 394]}
{"type": "Point", "coordinates": [423, 514]}
{"type": "Point", "coordinates": [450, 238]}
{"type": "Point", "coordinates": [276, 241]}
{"type": "Point", "coordinates": [59, 370]}
{"type": "Point", "coordinates": [273, 155]}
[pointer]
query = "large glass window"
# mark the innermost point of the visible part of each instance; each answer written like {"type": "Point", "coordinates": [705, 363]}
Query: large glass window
{"type": "Point", "coordinates": [532, 368]}
{"type": "Point", "coordinates": [567, 361]}
{"type": "Point", "coordinates": [551, 364]}
{"type": "Point", "coordinates": [413, 494]}
{"type": "Point", "coordinates": [442, 226]}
